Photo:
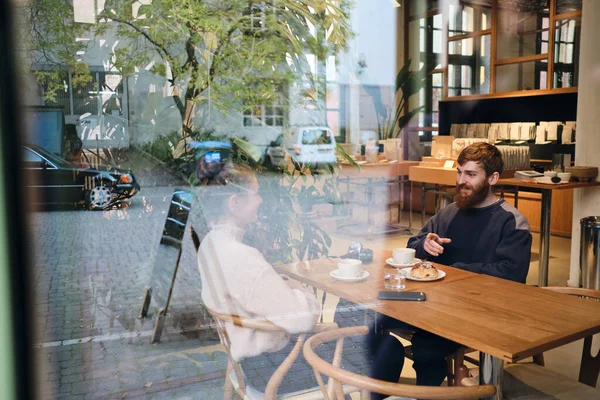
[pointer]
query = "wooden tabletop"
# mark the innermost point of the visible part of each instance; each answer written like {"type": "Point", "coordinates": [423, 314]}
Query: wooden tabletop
{"type": "Point", "coordinates": [316, 273]}
{"type": "Point", "coordinates": [508, 320]}
{"type": "Point", "coordinates": [558, 186]}
{"type": "Point", "coordinates": [388, 170]}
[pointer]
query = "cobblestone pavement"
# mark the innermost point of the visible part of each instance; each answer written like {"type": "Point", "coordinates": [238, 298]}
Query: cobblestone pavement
{"type": "Point", "coordinates": [90, 271]}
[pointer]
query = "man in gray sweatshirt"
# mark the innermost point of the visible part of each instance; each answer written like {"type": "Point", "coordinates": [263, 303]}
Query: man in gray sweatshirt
{"type": "Point", "coordinates": [478, 232]}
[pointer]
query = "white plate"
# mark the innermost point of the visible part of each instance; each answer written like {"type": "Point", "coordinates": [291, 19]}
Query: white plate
{"type": "Point", "coordinates": [441, 274]}
{"type": "Point", "coordinates": [361, 162]}
{"type": "Point", "coordinates": [398, 265]}
{"type": "Point", "coordinates": [335, 274]}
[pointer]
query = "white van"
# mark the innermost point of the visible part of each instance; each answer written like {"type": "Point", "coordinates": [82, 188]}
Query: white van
{"type": "Point", "coordinates": [310, 144]}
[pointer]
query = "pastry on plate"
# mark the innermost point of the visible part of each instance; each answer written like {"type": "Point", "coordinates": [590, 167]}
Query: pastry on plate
{"type": "Point", "coordinates": [424, 270]}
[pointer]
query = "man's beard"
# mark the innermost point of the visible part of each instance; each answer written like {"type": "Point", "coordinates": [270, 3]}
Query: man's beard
{"type": "Point", "coordinates": [477, 195]}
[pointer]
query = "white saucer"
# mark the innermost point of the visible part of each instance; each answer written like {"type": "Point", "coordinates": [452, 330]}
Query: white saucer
{"type": "Point", "coordinates": [406, 271]}
{"type": "Point", "coordinates": [335, 274]}
{"type": "Point", "coordinates": [398, 265]}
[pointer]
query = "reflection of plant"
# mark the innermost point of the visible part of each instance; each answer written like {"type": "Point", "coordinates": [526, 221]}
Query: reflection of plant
{"type": "Point", "coordinates": [408, 83]}
{"type": "Point", "coordinates": [284, 230]}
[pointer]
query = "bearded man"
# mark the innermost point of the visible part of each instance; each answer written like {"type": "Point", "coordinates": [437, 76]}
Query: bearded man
{"type": "Point", "coordinates": [478, 232]}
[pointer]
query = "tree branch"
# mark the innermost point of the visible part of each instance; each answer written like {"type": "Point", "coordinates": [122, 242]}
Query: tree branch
{"type": "Point", "coordinates": [161, 49]}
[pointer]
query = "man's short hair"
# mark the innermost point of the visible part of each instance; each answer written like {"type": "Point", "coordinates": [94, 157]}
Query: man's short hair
{"type": "Point", "coordinates": [488, 155]}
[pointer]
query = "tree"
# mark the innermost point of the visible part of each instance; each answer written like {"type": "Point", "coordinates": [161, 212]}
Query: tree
{"type": "Point", "coordinates": [231, 53]}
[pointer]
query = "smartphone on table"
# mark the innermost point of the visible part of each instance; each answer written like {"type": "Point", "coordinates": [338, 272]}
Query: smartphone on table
{"type": "Point", "coordinates": [402, 296]}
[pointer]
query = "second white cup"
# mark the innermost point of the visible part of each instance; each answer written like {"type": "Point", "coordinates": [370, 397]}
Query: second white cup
{"type": "Point", "coordinates": [350, 268]}
{"type": "Point", "coordinates": [403, 255]}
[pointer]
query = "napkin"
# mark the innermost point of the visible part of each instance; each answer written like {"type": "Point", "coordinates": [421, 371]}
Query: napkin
{"type": "Point", "coordinates": [540, 134]}
{"type": "Point", "coordinates": [552, 130]}
{"type": "Point", "coordinates": [513, 130]}
{"type": "Point", "coordinates": [566, 134]}
{"type": "Point", "coordinates": [503, 131]}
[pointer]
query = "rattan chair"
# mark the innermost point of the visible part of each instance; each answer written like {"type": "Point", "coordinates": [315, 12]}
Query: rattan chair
{"type": "Point", "coordinates": [234, 378]}
{"type": "Point", "coordinates": [339, 376]}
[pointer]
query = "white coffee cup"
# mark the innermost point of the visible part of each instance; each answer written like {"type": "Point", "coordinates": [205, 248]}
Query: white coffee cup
{"type": "Point", "coordinates": [403, 255]}
{"type": "Point", "coordinates": [349, 267]}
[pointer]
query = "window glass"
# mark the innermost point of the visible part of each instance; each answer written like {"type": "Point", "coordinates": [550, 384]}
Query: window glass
{"type": "Point", "coordinates": [566, 52]}
{"type": "Point", "coordinates": [469, 18]}
{"type": "Point", "coordinates": [521, 33]}
{"type": "Point", "coordinates": [519, 76]}
{"type": "Point", "coordinates": [563, 6]}
{"type": "Point", "coordinates": [314, 136]}
{"type": "Point", "coordinates": [469, 66]}
{"type": "Point", "coordinates": [31, 157]}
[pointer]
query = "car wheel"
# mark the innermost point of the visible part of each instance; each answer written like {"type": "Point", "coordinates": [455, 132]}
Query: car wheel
{"type": "Point", "coordinates": [99, 198]}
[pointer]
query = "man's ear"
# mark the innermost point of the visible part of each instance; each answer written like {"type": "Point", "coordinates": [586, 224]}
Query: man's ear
{"type": "Point", "coordinates": [493, 178]}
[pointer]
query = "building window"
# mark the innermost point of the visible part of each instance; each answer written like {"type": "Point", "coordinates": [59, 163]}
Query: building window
{"type": "Point", "coordinates": [257, 16]}
{"type": "Point", "coordinates": [264, 115]}
{"type": "Point", "coordinates": [102, 95]}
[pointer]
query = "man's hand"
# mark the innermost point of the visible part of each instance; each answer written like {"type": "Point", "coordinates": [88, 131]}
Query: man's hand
{"type": "Point", "coordinates": [433, 244]}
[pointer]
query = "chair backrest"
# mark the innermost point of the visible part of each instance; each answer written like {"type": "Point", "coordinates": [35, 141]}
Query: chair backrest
{"type": "Point", "coordinates": [589, 369]}
{"type": "Point", "coordinates": [234, 367]}
{"type": "Point", "coordinates": [339, 375]}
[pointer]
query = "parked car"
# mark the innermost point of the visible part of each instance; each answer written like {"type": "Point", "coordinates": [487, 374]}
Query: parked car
{"type": "Point", "coordinates": [306, 144]}
{"type": "Point", "coordinates": [52, 179]}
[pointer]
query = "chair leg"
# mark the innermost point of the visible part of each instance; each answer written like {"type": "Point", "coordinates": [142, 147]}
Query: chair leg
{"type": "Point", "coordinates": [459, 366]}
{"type": "Point", "coordinates": [228, 388]}
{"type": "Point", "coordinates": [539, 359]}
{"type": "Point", "coordinates": [590, 364]}
{"type": "Point", "coordinates": [451, 377]}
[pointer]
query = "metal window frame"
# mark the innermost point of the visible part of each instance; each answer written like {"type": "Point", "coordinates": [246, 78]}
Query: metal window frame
{"type": "Point", "coordinates": [16, 338]}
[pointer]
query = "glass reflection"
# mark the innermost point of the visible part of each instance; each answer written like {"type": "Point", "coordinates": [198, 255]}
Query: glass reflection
{"type": "Point", "coordinates": [566, 52]}
{"type": "Point", "coordinates": [563, 6]}
{"type": "Point", "coordinates": [521, 76]}
{"type": "Point", "coordinates": [521, 33]}
{"type": "Point", "coordinates": [469, 66]}
{"type": "Point", "coordinates": [466, 19]}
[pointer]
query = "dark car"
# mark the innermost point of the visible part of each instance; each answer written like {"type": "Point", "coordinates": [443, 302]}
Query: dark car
{"type": "Point", "coordinates": [52, 179]}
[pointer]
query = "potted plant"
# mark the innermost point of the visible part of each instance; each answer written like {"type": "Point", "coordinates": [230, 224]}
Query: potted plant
{"type": "Point", "coordinates": [407, 84]}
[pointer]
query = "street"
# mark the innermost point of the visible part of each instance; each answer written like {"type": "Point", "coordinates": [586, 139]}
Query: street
{"type": "Point", "coordinates": [89, 276]}
{"type": "Point", "coordinates": [90, 271]}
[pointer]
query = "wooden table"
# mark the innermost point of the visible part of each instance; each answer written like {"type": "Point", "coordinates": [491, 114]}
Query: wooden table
{"type": "Point", "coordinates": [504, 320]}
{"type": "Point", "coordinates": [390, 171]}
{"type": "Point", "coordinates": [546, 190]}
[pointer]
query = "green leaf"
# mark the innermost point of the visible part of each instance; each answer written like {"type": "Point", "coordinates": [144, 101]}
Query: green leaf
{"type": "Point", "coordinates": [403, 75]}
{"type": "Point", "coordinates": [403, 120]}
{"type": "Point", "coordinates": [340, 150]}
{"type": "Point", "coordinates": [145, 9]}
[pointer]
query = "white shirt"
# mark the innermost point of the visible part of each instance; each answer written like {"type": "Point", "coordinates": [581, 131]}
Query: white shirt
{"type": "Point", "coordinates": [237, 280]}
